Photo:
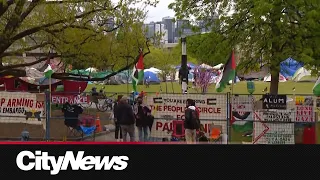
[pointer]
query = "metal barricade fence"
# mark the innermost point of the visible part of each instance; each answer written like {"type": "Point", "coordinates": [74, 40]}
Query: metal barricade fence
{"type": "Point", "coordinates": [242, 118]}
{"type": "Point", "coordinates": [266, 119]}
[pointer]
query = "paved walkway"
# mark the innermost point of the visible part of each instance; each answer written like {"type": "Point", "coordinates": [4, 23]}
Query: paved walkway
{"type": "Point", "coordinates": [104, 137]}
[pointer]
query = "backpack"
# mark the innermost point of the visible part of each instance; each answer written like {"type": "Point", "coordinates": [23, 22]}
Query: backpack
{"type": "Point", "coordinates": [193, 121]}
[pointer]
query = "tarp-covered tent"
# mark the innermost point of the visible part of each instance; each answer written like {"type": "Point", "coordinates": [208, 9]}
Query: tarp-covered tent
{"type": "Point", "coordinates": [264, 71]}
{"type": "Point", "coordinates": [190, 65]}
{"type": "Point", "coordinates": [302, 74]}
{"type": "Point", "coordinates": [289, 66]}
{"type": "Point", "coordinates": [151, 77]}
{"type": "Point", "coordinates": [268, 78]}
{"type": "Point", "coordinates": [219, 66]}
{"type": "Point", "coordinates": [205, 66]}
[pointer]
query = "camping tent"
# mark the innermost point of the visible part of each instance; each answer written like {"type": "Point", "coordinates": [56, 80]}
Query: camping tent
{"type": "Point", "coordinates": [268, 78]}
{"type": "Point", "coordinates": [205, 66]}
{"type": "Point", "coordinates": [264, 71]}
{"type": "Point", "coordinates": [289, 66]}
{"type": "Point", "coordinates": [152, 69]}
{"type": "Point", "coordinates": [151, 77]}
{"type": "Point", "coordinates": [191, 65]}
{"type": "Point", "coordinates": [217, 66]}
{"type": "Point", "coordinates": [302, 74]}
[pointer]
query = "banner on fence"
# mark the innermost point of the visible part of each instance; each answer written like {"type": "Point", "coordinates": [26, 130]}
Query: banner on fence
{"type": "Point", "coordinates": [283, 116]}
{"type": "Point", "coordinates": [242, 107]}
{"type": "Point", "coordinates": [172, 106]}
{"type": "Point", "coordinates": [273, 133]}
{"type": "Point", "coordinates": [164, 128]}
{"type": "Point", "coordinates": [282, 133]}
{"type": "Point", "coordinates": [274, 102]}
{"type": "Point", "coordinates": [72, 99]}
{"type": "Point", "coordinates": [21, 107]}
{"type": "Point", "coordinates": [318, 107]}
{"type": "Point", "coordinates": [304, 109]}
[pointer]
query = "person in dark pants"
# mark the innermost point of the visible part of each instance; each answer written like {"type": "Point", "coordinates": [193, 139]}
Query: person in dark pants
{"type": "Point", "coordinates": [118, 128]}
{"type": "Point", "coordinates": [142, 114]}
{"type": "Point", "coordinates": [126, 119]}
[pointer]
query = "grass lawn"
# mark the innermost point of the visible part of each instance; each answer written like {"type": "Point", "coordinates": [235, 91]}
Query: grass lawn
{"type": "Point", "coordinates": [302, 88]}
{"type": "Point", "coordinates": [239, 88]}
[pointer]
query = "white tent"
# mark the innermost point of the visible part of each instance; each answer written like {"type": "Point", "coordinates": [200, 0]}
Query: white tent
{"type": "Point", "coordinates": [267, 78]}
{"type": "Point", "coordinates": [154, 70]}
{"type": "Point", "coordinates": [217, 66]}
{"type": "Point", "coordinates": [205, 66]}
{"type": "Point", "coordinates": [91, 69]}
{"type": "Point", "coordinates": [302, 74]}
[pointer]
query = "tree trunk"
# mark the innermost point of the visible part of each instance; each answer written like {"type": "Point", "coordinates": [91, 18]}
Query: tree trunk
{"type": "Point", "coordinates": [274, 84]}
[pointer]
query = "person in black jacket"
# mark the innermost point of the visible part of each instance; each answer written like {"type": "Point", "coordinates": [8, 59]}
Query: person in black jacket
{"type": "Point", "coordinates": [142, 114]}
{"type": "Point", "coordinates": [71, 115]}
{"type": "Point", "coordinates": [126, 119]}
{"type": "Point", "coordinates": [118, 128]}
{"type": "Point", "coordinates": [191, 122]}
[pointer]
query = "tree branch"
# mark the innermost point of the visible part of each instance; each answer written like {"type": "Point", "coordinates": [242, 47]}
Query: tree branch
{"type": "Point", "coordinates": [5, 6]}
{"type": "Point", "coordinates": [20, 51]}
{"type": "Point", "coordinates": [42, 27]}
{"type": "Point", "coordinates": [65, 76]}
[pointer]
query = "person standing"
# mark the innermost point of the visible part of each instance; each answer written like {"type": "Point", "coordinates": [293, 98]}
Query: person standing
{"type": "Point", "coordinates": [118, 128]}
{"type": "Point", "coordinates": [126, 119]}
{"type": "Point", "coordinates": [191, 122]}
{"type": "Point", "coordinates": [142, 114]}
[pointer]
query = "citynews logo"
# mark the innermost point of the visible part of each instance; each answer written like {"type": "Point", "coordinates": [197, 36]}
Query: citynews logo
{"type": "Point", "coordinates": [42, 161]}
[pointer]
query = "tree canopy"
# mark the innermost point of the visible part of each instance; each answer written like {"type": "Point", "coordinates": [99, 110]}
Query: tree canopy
{"type": "Point", "coordinates": [95, 33]}
{"type": "Point", "coordinates": [261, 31]}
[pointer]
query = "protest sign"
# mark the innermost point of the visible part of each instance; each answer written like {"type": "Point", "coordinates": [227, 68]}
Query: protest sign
{"type": "Point", "coordinates": [278, 133]}
{"type": "Point", "coordinates": [169, 107]}
{"type": "Point", "coordinates": [72, 99]}
{"type": "Point", "coordinates": [304, 109]}
{"type": "Point", "coordinates": [21, 107]}
{"type": "Point", "coordinates": [274, 102]}
{"type": "Point", "coordinates": [172, 106]}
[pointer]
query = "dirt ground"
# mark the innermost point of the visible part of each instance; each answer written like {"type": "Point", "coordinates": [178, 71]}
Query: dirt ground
{"type": "Point", "coordinates": [12, 131]}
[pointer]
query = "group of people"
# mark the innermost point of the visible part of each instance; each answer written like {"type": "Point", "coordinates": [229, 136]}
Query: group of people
{"type": "Point", "coordinates": [127, 117]}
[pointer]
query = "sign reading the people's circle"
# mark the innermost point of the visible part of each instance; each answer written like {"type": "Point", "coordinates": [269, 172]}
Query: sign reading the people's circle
{"type": "Point", "coordinates": [274, 102]}
{"type": "Point", "coordinates": [21, 107]}
{"type": "Point", "coordinates": [168, 107]}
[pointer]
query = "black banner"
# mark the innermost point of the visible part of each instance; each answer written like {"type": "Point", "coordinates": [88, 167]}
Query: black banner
{"type": "Point", "coordinates": [274, 102]}
{"type": "Point", "coordinates": [121, 161]}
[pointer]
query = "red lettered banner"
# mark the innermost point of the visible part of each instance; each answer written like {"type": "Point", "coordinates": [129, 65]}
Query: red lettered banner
{"type": "Point", "coordinates": [72, 99]}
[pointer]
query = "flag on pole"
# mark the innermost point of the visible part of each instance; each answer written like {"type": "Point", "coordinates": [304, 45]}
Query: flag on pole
{"type": "Point", "coordinates": [316, 88]}
{"type": "Point", "coordinates": [228, 73]}
{"type": "Point", "coordinates": [48, 72]}
{"type": "Point", "coordinates": [137, 73]}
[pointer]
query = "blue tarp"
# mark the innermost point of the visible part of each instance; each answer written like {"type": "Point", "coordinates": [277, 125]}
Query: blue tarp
{"type": "Point", "coordinates": [191, 65]}
{"type": "Point", "coordinates": [151, 77]}
{"type": "Point", "coordinates": [289, 66]}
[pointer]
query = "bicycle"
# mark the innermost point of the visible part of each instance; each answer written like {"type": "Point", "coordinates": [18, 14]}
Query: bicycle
{"type": "Point", "coordinates": [103, 102]}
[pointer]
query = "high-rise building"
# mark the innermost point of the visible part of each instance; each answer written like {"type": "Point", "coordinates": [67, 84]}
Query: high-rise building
{"type": "Point", "coordinates": [183, 28]}
{"type": "Point", "coordinates": [170, 27]}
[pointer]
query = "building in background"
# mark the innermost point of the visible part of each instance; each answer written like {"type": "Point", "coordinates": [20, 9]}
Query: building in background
{"type": "Point", "coordinates": [170, 28]}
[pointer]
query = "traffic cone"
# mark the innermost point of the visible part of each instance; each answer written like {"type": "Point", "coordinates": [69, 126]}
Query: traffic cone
{"type": "Point", "coordinates": [98, 124]}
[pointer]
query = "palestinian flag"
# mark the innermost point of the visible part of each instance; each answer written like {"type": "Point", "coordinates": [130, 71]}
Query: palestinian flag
{"type": "Point", "coordinates": [316, 88]}
{"type": "Point", "coordinates": [48, 72]}
{"type": "Point", "coordinates": [228, 73]}
{"type": "Point", "coordinates": [137, 73]}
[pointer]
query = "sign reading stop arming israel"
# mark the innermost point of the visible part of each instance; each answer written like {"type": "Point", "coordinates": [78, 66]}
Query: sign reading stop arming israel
{"type": "Point", "coordinates": [169, 107]}
{"type": "Point", "coordinates": [21, 107]}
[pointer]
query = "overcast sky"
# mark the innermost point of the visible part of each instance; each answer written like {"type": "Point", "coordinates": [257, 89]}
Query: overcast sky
{"type": "Point", "coordinates": [162, 10]}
